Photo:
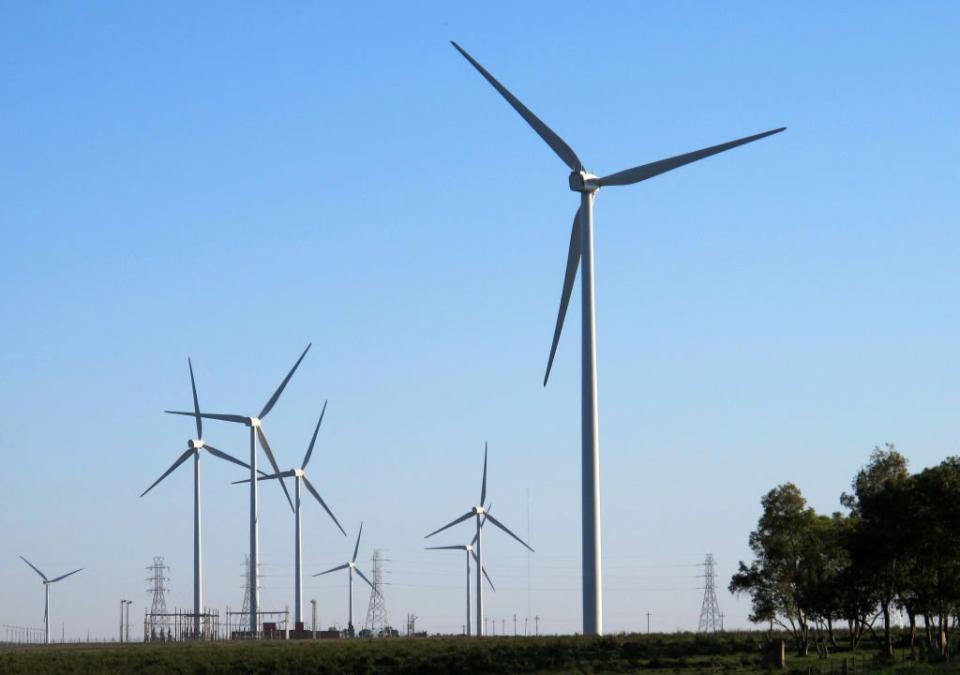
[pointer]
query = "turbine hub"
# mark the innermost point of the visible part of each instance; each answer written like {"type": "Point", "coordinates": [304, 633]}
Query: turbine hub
{"type": "Point", "coordinates": [478, 510]}
{"type": "Point", "coordinates": [299, 473]}
{"type": "Point", "coordinates": [254, 422]}
{"type": "Point", "coordinates": [195, 444]}
{"type": "Point", "coordinates": [581, 181]}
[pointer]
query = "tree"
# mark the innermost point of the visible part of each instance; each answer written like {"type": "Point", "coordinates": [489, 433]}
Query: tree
{"type": "Point", "coordinates": [876, 545]}
{"type": "Point", "coordinates": [936, 546]}
{"type": "Point", "coordinates": [787, 578]}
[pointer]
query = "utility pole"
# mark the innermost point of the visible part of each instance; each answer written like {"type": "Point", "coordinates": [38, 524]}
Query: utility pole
{"type": "Point", "coordinates": [536, 620]}
{"type": "Point", "coordinates": [122, 602]}
{"type": "Point", "coordinates": [525, 620]}
{"type": "Point", "coordinates": [648, 623]}
{"type": "Point", "coordinates": [129, 602]}
{"type": "Point", "coordinates": [514, 624]}
{"type": "Point", "coordinates": [313, 618]}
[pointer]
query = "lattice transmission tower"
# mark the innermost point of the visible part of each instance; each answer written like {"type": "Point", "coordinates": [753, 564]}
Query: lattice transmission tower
{"type": "Point", "coordinates": [711, 620]}
{"type": "Point", "coordinates": [245, 610]}
{"type": "Point", "coordinates": [156, 624]}
{"type": "Point", "coordinates": [377, 609]}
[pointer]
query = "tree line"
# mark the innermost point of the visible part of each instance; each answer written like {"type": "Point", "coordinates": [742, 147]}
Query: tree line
{"type": "Point", "coordinates": [894, 546]}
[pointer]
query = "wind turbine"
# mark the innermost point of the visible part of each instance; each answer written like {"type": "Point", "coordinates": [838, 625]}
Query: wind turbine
{"type": "Point", "coordinates": [194, 448]}
{"type": "Point", "coordinates": [580, 255]}
{"type": "Point", "coordinates": [256, 431]}
{"type": "Point", "coordinates": [482, 515]}
{"type": "Point", "coordinates": [46, 598]}
{"type": "Point", "coordinates": [300, 478]}
{"type": "Point", "coordinates": [471, 552]}
{"type": "Point", "coordinates": [352, 567]}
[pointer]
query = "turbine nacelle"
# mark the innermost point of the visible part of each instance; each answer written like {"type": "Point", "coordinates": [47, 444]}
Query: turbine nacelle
{"type": "Point", "coordinates": [299, 473]}
{"type": "Point", "coordinates": [195, 445]}
{"type": "Point", "coordinates": [478, 510]}
{"type": "Point", "coordinates": [581, 181]}
{"type": "Point", "coordinates": [253, 422]}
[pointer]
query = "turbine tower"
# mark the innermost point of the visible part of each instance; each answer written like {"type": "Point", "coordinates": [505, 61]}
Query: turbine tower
{"type": "Point", "coordinates": [256, 432]}
{"type": "Point", "coordinates": [711, 620]}
{"type": "Point", "coordinates": [580, 255]}
{"type": "Point", "coordinates": [46, 596]}
{"type": "Point", "coordinates": [471, 553]}
{"type": "Point", "coordinates": [351, 567]}
{"type": "Point", "coordinates": [301, 480]}
{"type": "Point", "coordinates": [482, 515]}
{"type": "Point", "coordinates": [193, 448]}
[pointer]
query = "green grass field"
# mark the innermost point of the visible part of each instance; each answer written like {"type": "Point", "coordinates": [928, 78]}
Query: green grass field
{"type": "Point", "coordinates": [676, 653]}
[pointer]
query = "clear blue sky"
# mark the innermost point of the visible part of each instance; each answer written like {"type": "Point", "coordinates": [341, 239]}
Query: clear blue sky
{"type": "Point", "coordinates": [232, 181]}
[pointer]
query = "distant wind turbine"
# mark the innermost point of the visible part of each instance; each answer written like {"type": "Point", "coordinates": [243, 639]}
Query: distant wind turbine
{"type": "Point", "coordinates": [471, 553]}
{"type": "Point", "coordinates": [580, 255]}
{"type": "Point", "coordinates": [482, 515]}
{"type": "Point", "coordinates": [300, 478]}
{"type": "Point", "coordinates": [46, 599]}
{"type": "Point", "coordinates": [256, 431]}
{"type": "Point", "coordinates": [193, 448]}
{"type": "Point", "coordinates": [352, 567]}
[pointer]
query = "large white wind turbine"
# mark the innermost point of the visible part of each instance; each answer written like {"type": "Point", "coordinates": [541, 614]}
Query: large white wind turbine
{"type": "Point", "coordinates": [482, 515]}
{"type": "Point", "coordinates": [46, 598]}
{"type": "Point", "coordinates": [352, 567]}
{"type": "Point", "coordinates": [580, 255]}
{"type": "Point", "coordinates": [471, 553]}
{"type": "Point", "coordinates": [194, 446]}
{"type": "Point", "coordinates": [256, 432]}
{"type": "Point", "coordinates": [300, 479]}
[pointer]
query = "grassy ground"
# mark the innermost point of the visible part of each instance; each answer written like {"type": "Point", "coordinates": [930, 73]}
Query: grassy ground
{"type": "Point", "coordinates": [441, 655]}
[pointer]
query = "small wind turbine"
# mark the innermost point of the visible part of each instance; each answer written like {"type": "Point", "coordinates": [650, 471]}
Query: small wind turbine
{"type": "Point", "coordinates": [471, 552]}
{"type": "Point", "coordinates": [352, 567]}
{"type": "Point", "coordinates": [300, 478]}
{"type": "Point", "coordinates": [193, 448]}
{"type": "Point", "coordinates": [46, 598]}
{"type": "Point", "coordinates": [482, 515]}
{"type": "Point", "coordinates": [580, 255]}
{"type": "Point", "coordinates": [256, 431]}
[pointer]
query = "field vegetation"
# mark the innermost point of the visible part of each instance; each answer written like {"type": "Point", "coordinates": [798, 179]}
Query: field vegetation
{"type": "Point", "coordinates": [673, 653]}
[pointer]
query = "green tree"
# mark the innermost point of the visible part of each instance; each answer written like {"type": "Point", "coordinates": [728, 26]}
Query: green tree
{"type": "Point", "coordinates": [790, 570]}
{"type": "Point", "coordinates": [876, 544]}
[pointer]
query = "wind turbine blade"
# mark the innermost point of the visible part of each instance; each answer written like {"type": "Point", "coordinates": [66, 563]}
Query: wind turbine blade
{"type": "Point", "coordinates": [273, 399]}
{"type": "Point", "coordinates": [180, 460]}
{"type": "Point", "coordinates": [639, 173]}
{"type": "Point", "coordinates": [34, 567]}
{"type": "Point", "coordinates": [213, 416]}
{"type": "Point", "coordinates": [313, 491]}
{"type": "Point", "coordinates": [265, 476]}
{"type": "Point", "coordinates": [196, 401]}
{"type": "Point", "coordinates": [484, 570]}
{"type": "Point", "coordinates": [461, 547]}
{"type": "Point", "coordinates": [314, 439]}
{"type": "Point", "coordinates": [273, 463]}
{"type": "Point", "coordinates": [483, 486]}
{"type": "Point", "coordinates": [364, 577]}
{"type": "Point", "coordinates": [564, 151]}
{"type": "Point", "coordinates": [356, 547]}
{"type": "Point", "coordinates": [333, 569]}
{"type": "Point", "coordinates": [569, 276]}
{"type": "Point", "coordinates": [222, 455]}
{"type": "Point", "coordinates": [465, 516]}
{"type": "Point", "coordinates": [64, 576]}
{"type": "Point", "coordinates": [507, 530]}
